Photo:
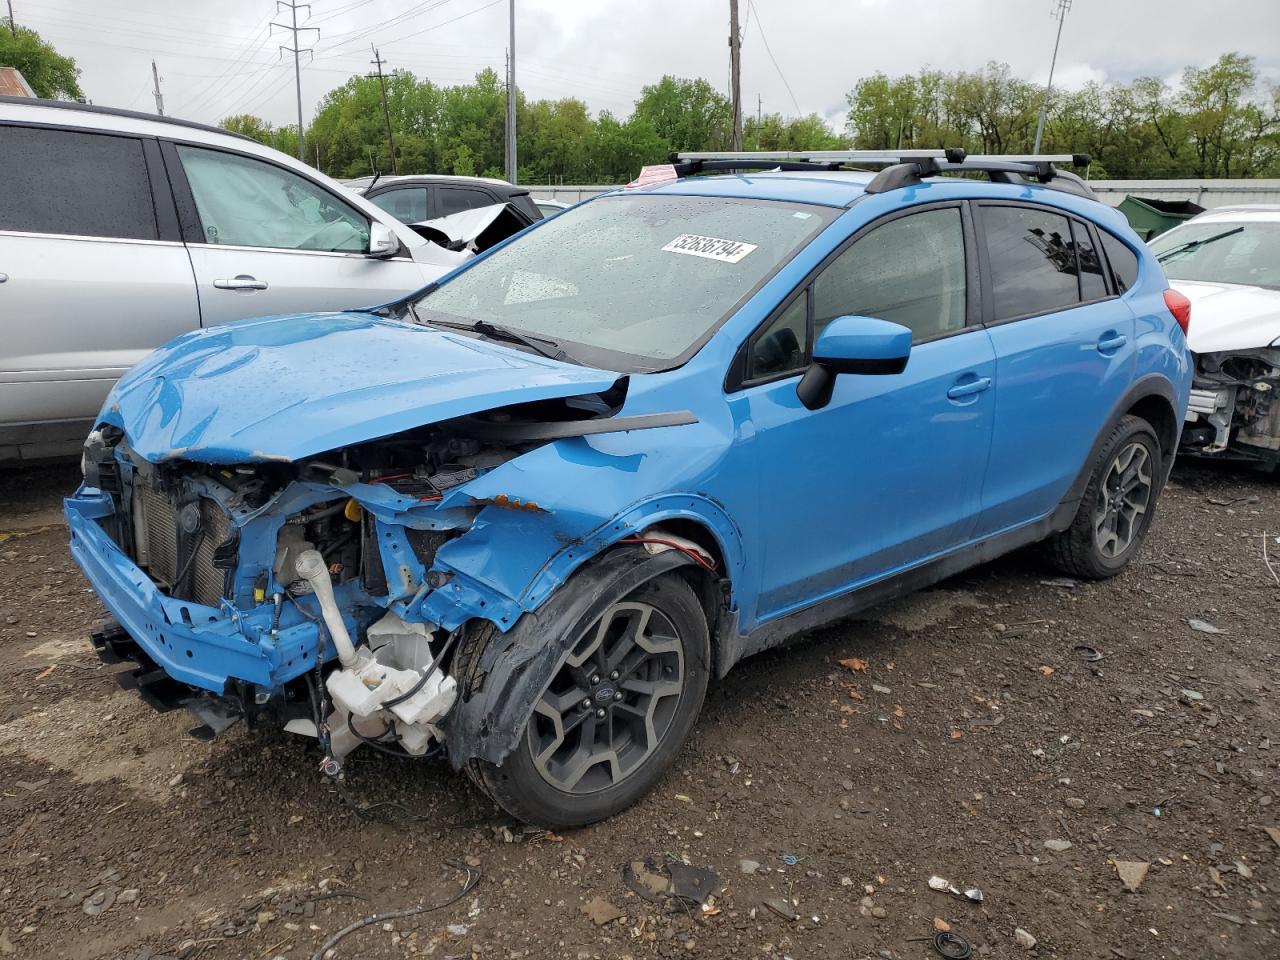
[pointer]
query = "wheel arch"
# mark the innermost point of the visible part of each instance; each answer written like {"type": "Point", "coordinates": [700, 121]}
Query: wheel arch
{"type": "Point", "coordinates": [501, 675]}
{"type": "Point", "coordinates": [1153, 399]}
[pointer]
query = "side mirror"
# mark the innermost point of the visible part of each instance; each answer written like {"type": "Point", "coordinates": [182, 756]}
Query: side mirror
{"type": "Point", "coordinates": [382, 242]}
{"type": "Point", "coordinates": [853, 345]}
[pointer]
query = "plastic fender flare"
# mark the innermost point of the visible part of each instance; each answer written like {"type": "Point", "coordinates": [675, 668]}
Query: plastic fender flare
{"type": "Point", "coordinates": [497, 695]}
{"type": "Point", "coordinates": [693, 507]}
{"type": "Point", "coordinates": [1152, 385]}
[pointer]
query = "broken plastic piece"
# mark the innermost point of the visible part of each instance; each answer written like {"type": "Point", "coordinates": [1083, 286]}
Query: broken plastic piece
{"type": "Point", "coordinates": [942, 885]}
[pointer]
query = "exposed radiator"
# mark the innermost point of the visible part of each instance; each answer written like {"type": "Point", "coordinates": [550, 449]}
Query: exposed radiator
{"type": "Point", "coordinates": [163, 553]}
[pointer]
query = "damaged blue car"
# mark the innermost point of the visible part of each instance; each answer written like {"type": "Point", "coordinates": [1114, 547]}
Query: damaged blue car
{"type": "Point", "coordinates": [524, 516]}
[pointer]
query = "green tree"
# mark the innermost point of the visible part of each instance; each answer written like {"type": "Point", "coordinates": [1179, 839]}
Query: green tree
{"type": "Point", "coordinates": [687, 114]}
{"type": "Point", "coordinates": [247, 125]}
{"type": "Point", "coordinates": [51, 75]}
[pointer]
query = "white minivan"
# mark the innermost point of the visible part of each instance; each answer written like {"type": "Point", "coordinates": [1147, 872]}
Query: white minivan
{"type": "Point", "coordinates": [121, 230]}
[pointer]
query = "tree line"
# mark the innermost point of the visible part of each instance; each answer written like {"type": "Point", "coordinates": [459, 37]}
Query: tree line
{"type": "Point", "coordinates": [1222, 120]}
{"type": "Point", "coordinates": [1219, 121]}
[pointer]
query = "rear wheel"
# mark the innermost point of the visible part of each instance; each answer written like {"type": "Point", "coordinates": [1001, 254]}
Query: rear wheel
{"type": "Point", "coordinates": [1118, 505]}
{"type": "Point", "coordinates": [618, 707]}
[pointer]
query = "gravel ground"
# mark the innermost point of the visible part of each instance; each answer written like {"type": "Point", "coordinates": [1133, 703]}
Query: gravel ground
{"type": "Point", "coordinates": [976, 742]}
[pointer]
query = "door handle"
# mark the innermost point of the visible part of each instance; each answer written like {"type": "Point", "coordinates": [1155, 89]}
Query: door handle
{"type": "Point", "coordinates": [4, 277]}
{"type": "Point", "coordinates": [241, 282]}
{"type": "Point", "coordinates": [968, 388]}
{"type": "Point", "coordinates": [1111, 341]}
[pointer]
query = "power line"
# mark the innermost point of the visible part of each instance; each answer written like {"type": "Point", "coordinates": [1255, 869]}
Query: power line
{"type": "Point", "coordinates": [296, 50]}
{"type": "Point", "coordinates": [760, 29]}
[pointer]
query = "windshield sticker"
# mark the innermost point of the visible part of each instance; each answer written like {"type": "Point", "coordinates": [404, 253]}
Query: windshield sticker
{"type": "Point", "coordinates": [713, 248]}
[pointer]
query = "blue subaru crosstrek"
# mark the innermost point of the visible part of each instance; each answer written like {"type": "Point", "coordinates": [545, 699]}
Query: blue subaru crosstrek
{"type": "Point", "coordinates": [523, 516]}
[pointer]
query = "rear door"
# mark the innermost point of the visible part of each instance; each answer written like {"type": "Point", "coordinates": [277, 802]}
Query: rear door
{"type": "Point", "coordinates": [1064, 356]}
{"type": "Point", "coordinates": [93, 272]}
{"type": "Point", "coordinates": [266, 240]}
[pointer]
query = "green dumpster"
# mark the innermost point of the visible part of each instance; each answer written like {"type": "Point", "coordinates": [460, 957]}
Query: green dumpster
{"type": "Point", "coordinates": [1150, 218]}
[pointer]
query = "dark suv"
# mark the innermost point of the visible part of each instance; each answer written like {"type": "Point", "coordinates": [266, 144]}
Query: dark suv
{"type": "Point", "coordinates": [417, 198]}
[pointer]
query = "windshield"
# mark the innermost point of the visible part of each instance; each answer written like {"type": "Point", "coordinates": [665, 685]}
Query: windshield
{"type": "Point", "coordinates": [629, 282]}
{"type": "Point", "coordinates": [1245, 252]}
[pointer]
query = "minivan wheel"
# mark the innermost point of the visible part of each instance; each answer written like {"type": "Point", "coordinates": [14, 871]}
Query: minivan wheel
{"type": "Point", "coordinates": [1118, 505]}
{"type": "Point", "coordinates": [619, 705]}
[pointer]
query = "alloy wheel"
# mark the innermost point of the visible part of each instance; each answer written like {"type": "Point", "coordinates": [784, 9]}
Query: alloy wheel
{"type": "Point", "coordinates": [611, 701]}
{"type": "Point", "coordinates": [1123, 500]}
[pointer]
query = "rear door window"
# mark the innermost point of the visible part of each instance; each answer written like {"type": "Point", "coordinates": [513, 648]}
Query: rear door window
{"type": "Point", "coordinates": [406, 204]}
{"type": "Point", "coordinates": [74, 183]}
{"type": "Point", "coordinates": [1093, 286]}
{"type": "Point", "coordinates": [1032, 259]}
{"type": "Point", "coordinates": [456, 199]}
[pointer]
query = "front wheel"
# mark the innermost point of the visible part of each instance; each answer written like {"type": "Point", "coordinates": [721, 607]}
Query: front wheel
{"type": "Point", "coordinates": [1117, 507]}
{"type": "Point", "coordinates": [618, 707]}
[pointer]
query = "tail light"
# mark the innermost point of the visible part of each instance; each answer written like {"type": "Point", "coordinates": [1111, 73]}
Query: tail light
{"type": "Point", "coordinates": [1180, 307]}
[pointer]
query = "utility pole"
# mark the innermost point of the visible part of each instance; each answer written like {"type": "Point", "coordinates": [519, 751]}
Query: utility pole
{"type": "Point", "coordinates": [155, 77]}
{"type": "Point", "coordinates": [386, 113]}
{"type": "Point", "coordinates": [13, 27]}
{"type": "Point", "coordinates": [511, 97]}
{"type": "Point", "coordinates": [1061, 13]}
{"type": "Point", "coordinates": [735, 73]}
{"type": "Point", "coordinates": [297, 52]}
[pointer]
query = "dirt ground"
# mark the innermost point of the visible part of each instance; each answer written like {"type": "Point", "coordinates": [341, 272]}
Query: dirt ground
{"type": "Point", "coordinates": [977, 738]}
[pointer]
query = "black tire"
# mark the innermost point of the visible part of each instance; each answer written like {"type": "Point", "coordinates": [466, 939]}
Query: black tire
{"type": "Point", "coordinates": [522, 789]}
{"type": "Point", "coordinates": [1082, 550]}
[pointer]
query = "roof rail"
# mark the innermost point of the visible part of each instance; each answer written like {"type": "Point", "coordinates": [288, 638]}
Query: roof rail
{"type": "Point", "coordinates": [118, 112]}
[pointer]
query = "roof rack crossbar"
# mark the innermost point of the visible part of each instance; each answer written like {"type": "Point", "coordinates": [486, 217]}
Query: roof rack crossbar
{"type": "Point", "coordinates": [1003, 169]}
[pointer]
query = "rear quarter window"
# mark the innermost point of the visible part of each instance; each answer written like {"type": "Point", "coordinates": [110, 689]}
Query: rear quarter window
{"type": "Point", "coordinates": [1122, 260]}
{"type": "Point", "coordinates": [73, 183]}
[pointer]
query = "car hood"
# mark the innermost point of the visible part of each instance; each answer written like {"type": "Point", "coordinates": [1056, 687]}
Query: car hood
{"type": "Point", "coordinates": [291, 387]}
{"type": "Point", "coordinates": [1230, 316]}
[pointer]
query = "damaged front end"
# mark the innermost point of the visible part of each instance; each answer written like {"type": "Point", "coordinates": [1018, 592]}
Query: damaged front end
{"type": "Point", "coordinates": [1234, 410]}
{"type": "Point", "coordinates": [312, 590]}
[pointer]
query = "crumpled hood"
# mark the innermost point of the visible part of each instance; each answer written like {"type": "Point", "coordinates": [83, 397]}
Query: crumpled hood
{"type": "Point", "coordinates": [1230, 316]}
{"type": "Point", "coordinates": [290, 387]}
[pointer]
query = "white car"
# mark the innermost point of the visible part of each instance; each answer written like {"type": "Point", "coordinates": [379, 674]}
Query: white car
{"type": "Point", "coordinates": [1227, 263]}
{"type": "Point", "coordinates": [119, 231]}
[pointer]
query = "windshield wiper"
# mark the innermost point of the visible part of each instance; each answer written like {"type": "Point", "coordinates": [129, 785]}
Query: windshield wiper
{"type": "Point", "coordinates": [496, 331]}
{"type": "Point", "coordinates": [1196, 244]}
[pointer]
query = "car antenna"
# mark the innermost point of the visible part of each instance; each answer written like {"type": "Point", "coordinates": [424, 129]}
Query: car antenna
{"type": "Point", "coordinates": [376, 177]}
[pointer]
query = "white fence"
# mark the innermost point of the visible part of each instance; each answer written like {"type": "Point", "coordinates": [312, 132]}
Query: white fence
{"type": "Point", "coordinates": [1207, 193]}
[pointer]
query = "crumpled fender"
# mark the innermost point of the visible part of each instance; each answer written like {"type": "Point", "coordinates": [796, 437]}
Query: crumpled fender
{"type": "Point", "coordinates": [497, 693]}
{"type": "Point", "coordinates": [548, 512]}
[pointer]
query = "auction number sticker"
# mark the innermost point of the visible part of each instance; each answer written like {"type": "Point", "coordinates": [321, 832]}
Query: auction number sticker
{"type": "Point", "coordinates": [713, 248]}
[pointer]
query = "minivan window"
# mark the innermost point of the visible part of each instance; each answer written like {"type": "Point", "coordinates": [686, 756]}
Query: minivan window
{"type": "Point", "coordinates": [1033, 263]}
{"type": "Point", "coordinates": [78, 184]}
{"type": "Point", "coordinates": [250, 203]}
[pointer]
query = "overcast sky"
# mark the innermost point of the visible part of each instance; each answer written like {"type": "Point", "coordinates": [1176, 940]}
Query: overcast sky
{"type": "Point", "coordinates": [217, 59]}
